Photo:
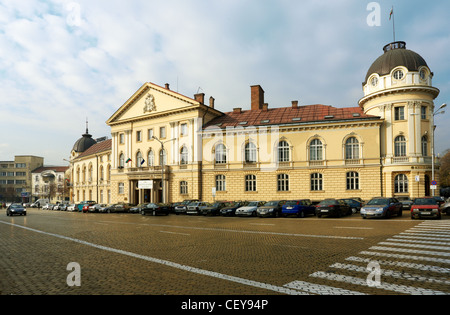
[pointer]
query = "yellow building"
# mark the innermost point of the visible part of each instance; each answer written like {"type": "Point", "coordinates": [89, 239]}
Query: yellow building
{"type": "Point", "coordinates": [169, 147]}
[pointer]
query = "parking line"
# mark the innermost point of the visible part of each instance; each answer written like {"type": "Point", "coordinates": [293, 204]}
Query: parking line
{"type": "Point", "coordinates": [412, 257]}
{"type": "Point", "coordinates": [320, 289]}
{"type": "Point", "coordinates": [167, 263]}
{"type": "Point", "coordinates": [174, 233]}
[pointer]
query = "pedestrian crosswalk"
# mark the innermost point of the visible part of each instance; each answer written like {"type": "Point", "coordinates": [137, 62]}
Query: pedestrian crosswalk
{"type": "Point", "coordinates": [415, 262]}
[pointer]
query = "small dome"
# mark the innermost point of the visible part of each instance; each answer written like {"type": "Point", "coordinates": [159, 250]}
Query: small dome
{"type": "Point", "coordinates": [84, 143]}
{"type": "Point", "coordinates": [395, 55]}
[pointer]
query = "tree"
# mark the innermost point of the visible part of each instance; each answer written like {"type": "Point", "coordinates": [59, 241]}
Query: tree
{"type": "Point", "coordinates": [444, 169]}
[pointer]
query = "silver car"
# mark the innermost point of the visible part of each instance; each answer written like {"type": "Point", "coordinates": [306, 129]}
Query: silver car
{"type": "Point", "coordinates": [250, 209]}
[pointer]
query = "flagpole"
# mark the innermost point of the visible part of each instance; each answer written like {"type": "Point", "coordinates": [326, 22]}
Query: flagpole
{"type": "Point", "coordinates": [393, 21]}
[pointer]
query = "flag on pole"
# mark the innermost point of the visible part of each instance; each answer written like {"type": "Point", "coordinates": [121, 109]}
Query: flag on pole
{"type": "Point", "coordinates": [142, 162]}
{"type": "Point", "coordinates": [391, 13]}
{"type": "Point", "coordinates": [129, 160]}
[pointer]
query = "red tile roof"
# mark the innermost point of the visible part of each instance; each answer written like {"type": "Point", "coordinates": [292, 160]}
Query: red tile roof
{"type": "Point", "coordinates": [285, 115]}
{"type": "Point", "coordinates": [97, 148]}
{"type": "Point", "coordinates": [51, 168]}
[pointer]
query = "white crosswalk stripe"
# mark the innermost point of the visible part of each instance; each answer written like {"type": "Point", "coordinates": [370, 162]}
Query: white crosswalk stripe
{"type": "Point", "coordinates": [423, 246]}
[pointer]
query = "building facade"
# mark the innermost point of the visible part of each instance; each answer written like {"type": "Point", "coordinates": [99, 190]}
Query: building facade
{"type": "Point", "coordinates": [169, 147]}
{"type": "Point", "coordinates": [16, 179]}
{"type": "Point", "coordinates": [49, 182]}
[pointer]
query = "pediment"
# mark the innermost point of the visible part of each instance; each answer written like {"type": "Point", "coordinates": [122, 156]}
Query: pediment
{"type": "Point", "coordinates": [151, 100]}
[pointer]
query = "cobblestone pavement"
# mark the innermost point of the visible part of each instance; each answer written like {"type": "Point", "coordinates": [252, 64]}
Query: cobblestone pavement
{"type": "Point", "coordinates": [130, 254]}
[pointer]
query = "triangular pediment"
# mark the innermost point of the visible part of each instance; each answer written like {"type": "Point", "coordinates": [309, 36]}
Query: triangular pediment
{"type": "Point", "coordinates": [151, 100]}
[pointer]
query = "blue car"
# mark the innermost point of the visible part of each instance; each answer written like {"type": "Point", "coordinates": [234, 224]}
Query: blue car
{"type": "Point", "coordinates": [382, 208]}
{"type": "Point", "coordinates": [299, 208]}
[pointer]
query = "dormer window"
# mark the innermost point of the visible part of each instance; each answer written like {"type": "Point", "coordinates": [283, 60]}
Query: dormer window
{"type": "Point", "coordinates": [374, 81]}
{"type": "Point", "coordinates": [398, 74]}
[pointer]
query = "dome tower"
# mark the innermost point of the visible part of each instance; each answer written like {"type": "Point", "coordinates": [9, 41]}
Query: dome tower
{"type": "Point", "coordinates": [398, 88]}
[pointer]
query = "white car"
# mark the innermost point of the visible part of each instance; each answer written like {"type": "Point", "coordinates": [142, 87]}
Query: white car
{"type": "Point", "coordinates": [71, 207]}
{"type": "Point", "coordinates": [47, 206]}
{"type": "Point", "coordinates": [250, 209]}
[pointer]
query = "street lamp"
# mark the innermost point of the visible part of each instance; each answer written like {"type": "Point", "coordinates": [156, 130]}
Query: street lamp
{"type": "Point", "coordinates": [163, 197]}
{"type": "Point", "coordinates": [437, 112]}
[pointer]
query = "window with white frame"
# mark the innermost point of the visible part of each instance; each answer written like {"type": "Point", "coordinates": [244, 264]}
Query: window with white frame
{"type": "Point", "coordinates": [352, 149]}
{"type": "Point", "coordinates": [184, 156]}
{"type": "Point", "coordinates": [316, 150]}
{"type": "Point", "coordinates": [399, 113]}
{"type": "Point", "coordinates": [121, 188]}
{"type": "Point", "coordinates": [352, 181]}
{"type": "Point", "coordinates": [401, 183]}
{"type": "Point", "coordinates": [221, 184]}
{"type": "Point", "coordinates": [184, 129]}
{"type": "Point", "coordinates": [316, 182]}
{"type": "Point", "coordinates": [400, 146]}
{"type": "Point", "coordinates": [250, 153]}
{"type": "Point", "coordinates": [283, 151]}
{"type": "Point", "coordinates": [283, 182]}
{"type": "Point", "coordinates": [424, 146]}
{"type": "Point", "coordinates": [151, 158]}
{"type": "Point", "coordinates": [183, 187]}
{"type": "Point", "coordinates": [250, 182]}
{"type": "Point", "coordinates": [221, 154]}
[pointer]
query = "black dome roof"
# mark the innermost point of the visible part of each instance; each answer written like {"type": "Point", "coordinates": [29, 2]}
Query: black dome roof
{"type": "Point", "coordinates": [84, 143]}
{"type": "Point", "coordinates": [396, 54]}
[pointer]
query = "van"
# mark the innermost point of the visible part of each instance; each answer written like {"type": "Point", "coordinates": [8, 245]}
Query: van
{"type": "Point", "coordinates": [41, 202]}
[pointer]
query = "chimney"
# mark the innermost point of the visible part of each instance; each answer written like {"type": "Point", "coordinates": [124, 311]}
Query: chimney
{"type": "Point", "coordinates": [211, 102]}
{"type": "Point", "coordinates": [265, 107]}
{"type": "Point", "coordinates": [237, 110]}
{"type": "Point", "coordinates": [294, 104]}
{"type": "Point", "coordinates": [257, 94]}
{"type": "Point", "coordinates": [167, 86]}
{"type": "Point", "coordinates": [200, 98]}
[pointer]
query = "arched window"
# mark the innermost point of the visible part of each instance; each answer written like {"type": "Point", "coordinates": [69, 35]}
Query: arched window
{"type": "Point", "coordinates": [221, 184]}
{"type": "Point", "coordinates": [400, 146]}
{"type": "Point", "coordinates": [139, 159]}
{"type": "Point", "coordinates": [316, 150]}
{"type": "Point", "coordinates": [401, 183]}
{"type": "Point", "coordinates": [352, 149]}
{"type": "Point", "coordinates": [162, 157]}
{"type": "Point", "coordinates": [424, 146]}
{"type": "Point", "coordinates": [221, 154]}
{"type": "Point", "coordinates": [352, 181]}
{"type": "Point", "coordinates": [121, 160]}
{"type": "Point", "coordinates": [250, 153]}
{"type": "Point", "coordinates": [183, 188]}
{"type": "Point", "coordinates": [283, 151]}
{"type": "Point", "coordinates": [151, 158]}
{"type": "Point", "coordinates": [184, 156]}
{"type": "Point", "coordinates": [102, 173]}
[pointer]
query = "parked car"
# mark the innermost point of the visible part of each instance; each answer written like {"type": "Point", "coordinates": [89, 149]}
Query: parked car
{"type": "Point", "coordinates": [382, 207]}
{"type": "Point", "coordinates": [71, 207]}
{"type": "Point", "coordinates": [86, 206]}
{"type": "Point", "coordinates": [138, 208]}
{"type": "Point", "coordinates": [354, 204]}
{"type": "Point", "coordinates": [440, 200]}
{"type": "Point", "coordinates": [299, 208]}
{"type": "Point", "coordinates": [63, 206]}
{"type": "Point", "coordinates": [81, 204]}
{"type": "Point", "coordinates": [271, 209]}
{"type": "Point", "coordinates": [249, 209]}
{"type": "Point", "coordinates": [230, 210]}
{"type": "Point", "coordinates": [155, 209]}
{"type": "Point", "coordinates": [96, 207]}
{"type": "Point", "coordinates": [48, 206]}
{"type": "Point", "coordinates": [426, 207]}
{"type": "Point", "coordinates": [55, 207]}
{"type": "Point", "coordinates": [115, 208]}
{"type": "Point", "coordinates": [16, 209]}
{"type": "Point", "coordinates": [406, 203]}
{"type": "Point", "coordinates": [105, 209]}
{"type": "Point", "coordinates": [446, 207]}
{"type": "Point", "coordinates": [196, 207]}
{"type": "Point", "coordinates": [182, 207]}
{"type": "Point", "coordinates": [215, 208]}
{"type": "Point", "coordinates": [333, 207]}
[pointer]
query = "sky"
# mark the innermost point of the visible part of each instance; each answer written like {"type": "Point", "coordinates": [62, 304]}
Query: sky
{"type": "Point", "coordinates": [63, 62]}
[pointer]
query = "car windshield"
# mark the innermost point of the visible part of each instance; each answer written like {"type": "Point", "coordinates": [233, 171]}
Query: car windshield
{"type": "Point", "coordinates": [292, 202]}
{"type": "Point", "coordinates": [425, 201]}
{"type": "Point", "coordinates": [379, 201]}
{"type": "Point", "coordinates": [271, 203]}
{"type": "Point", "coordinates": [15, 205]}
{"type": "Point", "coordinates": [328, 202]}
{"type": "Point", "coordinates": [252, 203]}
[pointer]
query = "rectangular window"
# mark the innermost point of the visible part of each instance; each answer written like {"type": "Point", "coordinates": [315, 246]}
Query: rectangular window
{"type": "Point", "coordinates": [221, 183]}
{"type": "Point", "coordinates": [250, 183]}
{"type": "Point", "coordinates": [122, 138]}
{"type": "Point", "coordinates": [399, 113]}
{"type": "Point", "coordinates": [352, 181]}
{"type": "Point", "coordinates": [184, 129]}
{"type": "Point", "coordinates": [162, 132]}
{"type": "Point", "coordinates": [150, 134]}
{"type": "Point", "coordinates": [139, 136]}
{"type": "Point", "coordinates": [283, 182]}
{"type": "Point", "coordinates": [423, 112]}
{"type": "Point", "coordinates": [183, 188]}
{"type": "Point", "coordinates": [121, 188]}
{"type": "Point", "coordinates": [316, 182]}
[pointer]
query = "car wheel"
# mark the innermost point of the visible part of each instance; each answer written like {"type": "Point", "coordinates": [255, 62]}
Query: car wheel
{"type": "Point", "coordinates": [301, 214]}
{"type": "Point", "coordinates": [400, 213]}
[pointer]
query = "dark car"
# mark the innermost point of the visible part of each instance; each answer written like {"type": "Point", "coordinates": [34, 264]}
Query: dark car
{"type": "Point", "coordinates": [215, 208]}
{"type": "Point", "coordinates": [196, 207]}
{"type": "Point", "coordinates": [355, 205]}
{"type": "Point", "coordinates": [230, 210]}
{"type": "Point", "coordinates": [406, 203]}
{"type": "Point", "coordinates": [333, 207]}
{"type": "Point", "coordinates": [138, 208]}
{"type": "Point", "coordinates": [426, 207]}
{"type": "Point", "coordinates": [299, 208]}
{"type": "Point", "coordinates": [15, 209]}
{"type": "Point", "coordinates": [440, 200]}
{"type": "Point", "coordinates": [116, 208]}
{"type": "Point", "coordinates": [271, 209]}
{"type": "Point", "coordinates": [155, 209]}
{"type": "Point", "coordinates": [382, 207]}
